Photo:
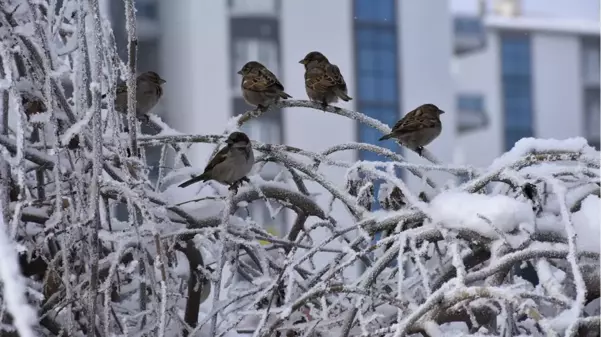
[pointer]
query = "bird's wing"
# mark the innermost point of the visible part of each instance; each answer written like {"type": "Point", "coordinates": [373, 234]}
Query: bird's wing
{"type": "Point", "coordinates": [219, 158]}
{"type": "Point", "coordinates": [272, 80]}
{"type": "Point", "coordinates": [262, 81]}
{"type": "Point", "coordinates": [334, 76]}
{"type": "Point", "coordinates": [323, 78]}
{"type": "Point", "coordinates": [416, 123]}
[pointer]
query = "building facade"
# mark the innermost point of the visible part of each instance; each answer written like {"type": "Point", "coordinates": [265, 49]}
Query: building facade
{"type": "Point", "coordinates": [532, 78]}
{"type": "Point", "coordinates": [391, 54]}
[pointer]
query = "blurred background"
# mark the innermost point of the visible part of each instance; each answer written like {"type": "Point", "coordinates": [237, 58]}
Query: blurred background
{"type": "Point", "coordinates": [501, 69]}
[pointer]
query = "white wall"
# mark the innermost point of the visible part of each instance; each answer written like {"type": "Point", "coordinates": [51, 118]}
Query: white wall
{"type": "Point", "coordinates": [557, 86]}
{"type": "Point", "coordinates": [480, 72]}
{"type": "Point", "coordinates": [195, 46]}
{"type": "Point", "coordinates": [314, 130]}
{"type": "Point", "coordinates": [425, 75]}
{"type": "Point", "coordinates": [308, 128]}
{"type": "Point", "coordinates": [557, 92]}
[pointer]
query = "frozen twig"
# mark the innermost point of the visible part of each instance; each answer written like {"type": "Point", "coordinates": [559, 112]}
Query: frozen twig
{"type": "Point", "coordinates": [95, 57]}
{"type": "Point", "coordinates": [132, 50]}
{"type": "Point", "coordinates": [14, 285]}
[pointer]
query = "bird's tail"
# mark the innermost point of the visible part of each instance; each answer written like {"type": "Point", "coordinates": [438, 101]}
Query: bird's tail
{"type": "Point", "coordinates": [388, 136]}
{"type": "Point", "coordinates": [284, 95]}
{"type": "Point", "coordinates": [202, 177]}
{"type": "Point", "coordinates": [343, 96]}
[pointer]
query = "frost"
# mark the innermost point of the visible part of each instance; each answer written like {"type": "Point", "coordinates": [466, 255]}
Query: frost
{"type": "Point", "coordinates": [108, 244]}
{"type": "Point", "coordinates": [14, 290]}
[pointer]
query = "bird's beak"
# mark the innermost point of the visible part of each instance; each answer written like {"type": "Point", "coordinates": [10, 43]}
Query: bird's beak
{"type": "Point", "coordinates": [229, 142]}
{"type": "Point", "coordinates": [303, 61]}
{"type": "Point", "coordinates": [162, 81]}
{"type": "Point", "coordinates": [441, 111]}
{"type": "Point", "coordinates": [239, 72]}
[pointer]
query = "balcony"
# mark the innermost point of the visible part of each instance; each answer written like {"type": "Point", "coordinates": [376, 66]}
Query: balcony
{"type": "Point", "coordinates": [470, 34]}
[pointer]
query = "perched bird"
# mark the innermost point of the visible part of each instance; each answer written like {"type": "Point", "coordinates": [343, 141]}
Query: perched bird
{"type": "Point", "coordinates": [323, 81]}
{"type": "Point", "coordinates": [32, 105]}
{"type": "Point", "coordinates": [418, 128]}
{"type": "Point", "coordinates": [148, 93]}
{"type": "Point", "coordinates": [260, 87]}
{"type": "Point", "coordinates": [230, 165]}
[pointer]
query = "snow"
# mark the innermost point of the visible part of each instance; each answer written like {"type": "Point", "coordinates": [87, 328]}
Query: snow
{"type": "Point", "coordinates": [530, 145]}
{"type": "Point", "coordinates": [587, 223]}
{"type": "Point", "coordinates": [461, 210]}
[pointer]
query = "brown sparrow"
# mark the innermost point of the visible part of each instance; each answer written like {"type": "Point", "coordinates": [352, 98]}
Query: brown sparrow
{"type": "Point", "coordinates": [148, 93]}
{"type": "Point", "coordinates": [230, 165]}
{"type": "Point", "coordinates": [260, 87]}
{"type": "Point", "coordinates": [417, 128]}
{"type": "Point", "coordinates": [323, 81]}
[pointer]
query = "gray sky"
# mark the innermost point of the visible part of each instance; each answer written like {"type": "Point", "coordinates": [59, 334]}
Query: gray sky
{"type": "Point", "coordinates": [572, 9]}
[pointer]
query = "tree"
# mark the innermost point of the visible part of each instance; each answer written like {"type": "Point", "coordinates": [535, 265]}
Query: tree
{"type": "Point", "coordinates": [449, 254]}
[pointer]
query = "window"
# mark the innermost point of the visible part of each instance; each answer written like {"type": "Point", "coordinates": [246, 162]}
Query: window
{"type": "Point", "coordinates": [247, 49]}
{"type": "Point", "coordinates": [374, 10]}
{"type": "Point", "coordinates": [470, 102]}
{"type": "Point", "coordinates": [263, 129]}
{"type": "Point", "coordinates": [590, 72]}
{"type": "Point", "coordinates": [468, 25]}
{"type": "Point", "coordinates": [254, 7]}
{"type": "Point", "coordinates": [590, 61]}
{"type": "Point", "coordinates": [471, 112]}
{"type": "Point", "coordinates": [266, 129]}
{"type": "Point", "coordinates": [146, 9]}
{"type": "Point", "coordinates": [517, 88]}
{"type": "Point", "coordinates": [376, 67]}
{"type": "Point", "coordinates": [592, 112]}
{"type": "Point", "coordinates": [386, 115]}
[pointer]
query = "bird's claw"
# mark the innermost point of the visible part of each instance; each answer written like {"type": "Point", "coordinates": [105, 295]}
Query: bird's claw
{"type": "Point", "coordinates": [261, 108]}
{"type": "Point", "coordinates": [324, 106]}
{"type": "Point", "coordinates": [234, 186]}
{"type": "Point", "coordinates": [128, 153]}
{"type": "Point", "coordinates": [419, 151]}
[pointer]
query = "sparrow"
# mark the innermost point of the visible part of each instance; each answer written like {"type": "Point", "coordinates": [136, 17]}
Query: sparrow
{"type": "Point", "coordinates": [260, 87]}
{"type": "Point", "coordinates": [230, 165]}
{"type": "Point", "coordinates": [32, 105]}
{"type": "Point", "coordinates": [323, 81]}
{"type": "Point", "coordinates": [417, 128]}
{"type": "Point", "coordinates": [148, 93]}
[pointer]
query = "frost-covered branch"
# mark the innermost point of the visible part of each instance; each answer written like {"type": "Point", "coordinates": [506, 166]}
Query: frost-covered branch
{"type": "Point", "coordinates": [514, 249]}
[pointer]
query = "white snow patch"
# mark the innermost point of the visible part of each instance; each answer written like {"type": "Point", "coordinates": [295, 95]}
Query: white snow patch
{"type": "Point", "coordinates": [587, 224]}
{"type": "Point", "coordinates": [528, 145]}
{"type": "Point", "coordinates": [561, 322]}
{"type": "Point", "coordinates": [461, 210]}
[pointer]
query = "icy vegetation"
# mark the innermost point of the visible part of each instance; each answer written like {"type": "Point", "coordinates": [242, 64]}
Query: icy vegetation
{"type": "Point", "coordinates": [513, 250]}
